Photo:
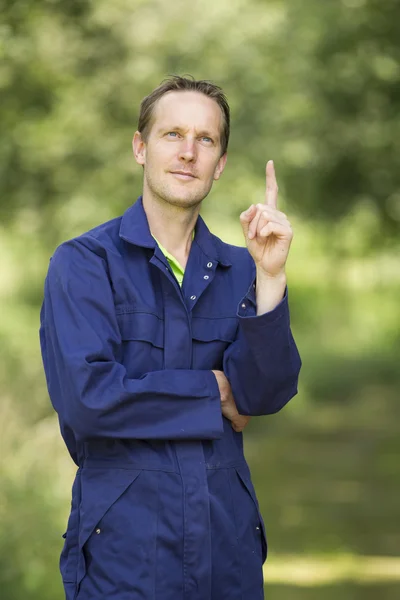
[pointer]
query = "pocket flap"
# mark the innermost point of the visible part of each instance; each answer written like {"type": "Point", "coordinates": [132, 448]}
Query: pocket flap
{"type": "Point", "coordinates": [142, 327]}
{"type": "Point", "coordinates": [207, 330]}
{"type": "Point", "coordinates": [100, 488]}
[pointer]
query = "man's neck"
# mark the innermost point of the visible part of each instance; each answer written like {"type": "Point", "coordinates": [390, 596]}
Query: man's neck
{"type": "Point", "coordinates": [172, 226]}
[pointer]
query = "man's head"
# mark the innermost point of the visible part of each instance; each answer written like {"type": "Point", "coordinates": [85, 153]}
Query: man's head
{"type": "Point", "coordinates": [182, 139]}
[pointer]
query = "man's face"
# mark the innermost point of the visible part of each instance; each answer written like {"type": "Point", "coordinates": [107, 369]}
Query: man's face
{"type": "Point", "coordinates": [182, 154]}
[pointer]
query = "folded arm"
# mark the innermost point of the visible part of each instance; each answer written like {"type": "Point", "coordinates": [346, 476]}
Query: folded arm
{"type": "Point", "coordinates": [89, 388]}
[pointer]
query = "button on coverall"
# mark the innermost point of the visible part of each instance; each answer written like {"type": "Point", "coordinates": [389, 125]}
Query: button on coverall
{"type": "Point", "coordinates": [163, 507]}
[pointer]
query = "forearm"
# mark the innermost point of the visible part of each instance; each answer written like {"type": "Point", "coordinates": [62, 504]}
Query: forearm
{"type": "Point", "coordinates": [269, 291]}
{"type": "Point", "coordinates": [99, 400]}
{"type": "Point", "coordinates": [263, 364]}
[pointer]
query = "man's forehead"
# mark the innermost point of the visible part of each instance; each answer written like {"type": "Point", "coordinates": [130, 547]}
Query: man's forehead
{"type": "Point", "coordinates": [187, 108]}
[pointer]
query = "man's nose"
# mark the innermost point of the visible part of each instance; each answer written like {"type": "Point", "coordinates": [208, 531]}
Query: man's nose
{"type": "Point", "coordinates": [187, 150]}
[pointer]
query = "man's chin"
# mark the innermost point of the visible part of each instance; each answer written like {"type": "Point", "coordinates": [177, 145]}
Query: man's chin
{"type": "Point", "coordinates": [183, 199]}
{"type": "Point", "coordinates": [185, 202]}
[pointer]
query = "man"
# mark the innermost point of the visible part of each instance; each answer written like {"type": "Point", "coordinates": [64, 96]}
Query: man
{"type": "Point", "coordinates": [154, 374]}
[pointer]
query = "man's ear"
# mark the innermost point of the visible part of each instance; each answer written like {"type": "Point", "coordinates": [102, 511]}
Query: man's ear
{"type": "Point", "coordinates": [139, 148]}
{"type": "Point", "coordinates": [220, 166]}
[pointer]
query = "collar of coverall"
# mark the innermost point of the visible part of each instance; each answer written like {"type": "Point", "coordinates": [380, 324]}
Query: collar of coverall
{"type": "Point", "coordinates": [135, 230]}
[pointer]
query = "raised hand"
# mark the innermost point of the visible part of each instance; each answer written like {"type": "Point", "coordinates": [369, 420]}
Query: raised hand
{"type": "Point", "coordinates": [267, 231]}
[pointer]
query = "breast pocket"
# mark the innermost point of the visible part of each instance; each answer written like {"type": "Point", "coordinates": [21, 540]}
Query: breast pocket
{"type": "Point", "coordinates": [211, 337]}
{"type": "Point", "coordinates": [142, 336]}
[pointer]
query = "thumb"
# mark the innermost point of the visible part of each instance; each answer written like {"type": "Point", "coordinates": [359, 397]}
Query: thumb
{"type": "Point", "coordinates": [246, 217]}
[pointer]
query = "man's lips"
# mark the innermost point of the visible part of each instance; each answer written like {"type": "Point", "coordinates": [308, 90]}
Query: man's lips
{"type": "Point", "coordinates": [184, 174]}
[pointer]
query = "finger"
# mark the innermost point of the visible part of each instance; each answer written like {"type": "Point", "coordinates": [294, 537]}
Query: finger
{"type": "Point", "coordinates": [275, 217]}
{"type": "Point", "coordinates": [271, 211]}
{"type": "Point", "coordinates": [278, 229]}
{"type": "Point", "coordinates": [237, 428]}
{"type": "Point", "coordinates": [246, 217]}
{"type": "Point", "coordinates": [240, 423]}
{"type": "Point", "coordinates": [271, 191]}
{"type": "Point", "coordinates": [253, 226]}
{"type": "Point", "coordinates": [254, 223]}
{"type": "Point", "coordinates": [248, 214]}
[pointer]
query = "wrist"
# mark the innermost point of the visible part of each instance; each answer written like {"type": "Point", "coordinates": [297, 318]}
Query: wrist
{"type": "Point", "coordinates": [270, 290]}
{"type": "Point", "coordinates": [277, 279]}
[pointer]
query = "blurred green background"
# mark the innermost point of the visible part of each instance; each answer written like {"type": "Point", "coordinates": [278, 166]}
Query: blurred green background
{"type": "Point", "coordinates": [313, 84]}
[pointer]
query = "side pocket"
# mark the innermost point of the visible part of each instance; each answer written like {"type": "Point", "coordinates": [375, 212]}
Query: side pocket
{"type": "Point", "coordinates": [100, 489]}
{"type": "Point", "coordinates": [244, 476]}
{"type": "Point", "coordinates": [69, 554]}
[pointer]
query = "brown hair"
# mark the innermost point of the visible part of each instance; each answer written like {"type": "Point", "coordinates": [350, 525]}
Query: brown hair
{"type": "Point", "coordinates": [177, 83]}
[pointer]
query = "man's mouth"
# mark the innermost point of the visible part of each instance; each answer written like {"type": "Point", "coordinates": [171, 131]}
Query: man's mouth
{"type": "Point", "coordinates": [183, 174]}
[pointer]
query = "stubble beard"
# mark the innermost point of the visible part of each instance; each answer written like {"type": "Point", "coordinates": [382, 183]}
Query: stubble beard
{"type": "Point", "coordinates": [164, 193]}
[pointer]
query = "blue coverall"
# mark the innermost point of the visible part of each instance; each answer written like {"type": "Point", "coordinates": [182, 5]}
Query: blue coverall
{"type": "Point", "coordinates": [163, 507]}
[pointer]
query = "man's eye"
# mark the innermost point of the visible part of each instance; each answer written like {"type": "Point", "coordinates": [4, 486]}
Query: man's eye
{"type": "Point", "coordinates": [172, 134]}
{"type": "Point", "coordinates": [206, 139]}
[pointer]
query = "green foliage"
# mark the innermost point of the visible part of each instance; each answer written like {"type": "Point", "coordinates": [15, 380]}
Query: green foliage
{"type": "Point", "coordinates": [314, 85]}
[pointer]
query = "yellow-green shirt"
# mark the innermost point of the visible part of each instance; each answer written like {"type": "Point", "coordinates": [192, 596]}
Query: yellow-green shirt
{"type": "Point", "coordinates": [177, 269]}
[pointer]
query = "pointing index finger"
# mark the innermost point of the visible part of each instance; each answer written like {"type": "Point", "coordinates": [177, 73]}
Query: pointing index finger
{"type": "Point", "coordinates": [271, 191]}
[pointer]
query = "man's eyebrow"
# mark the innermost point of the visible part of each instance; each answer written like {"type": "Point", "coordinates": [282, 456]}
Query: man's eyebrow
{"type": "Point", "coordinates": [180, 129]}
{"type": "Point", "coordinates": [170, 128]}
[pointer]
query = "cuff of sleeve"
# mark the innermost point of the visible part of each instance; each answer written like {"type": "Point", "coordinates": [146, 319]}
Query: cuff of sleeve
{"type": "Point", "coordinates": [267, 335]}
{"type": "Point", "coordinates": [215, 403]}
{"type": "Point", "coordinates": [247, 309]}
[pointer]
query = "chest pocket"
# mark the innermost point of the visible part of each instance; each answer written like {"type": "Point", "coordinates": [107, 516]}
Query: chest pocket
{"type": "Point", "coordinates": [211, 337]}
{"type": "Point", "coordinates": [142, 336]}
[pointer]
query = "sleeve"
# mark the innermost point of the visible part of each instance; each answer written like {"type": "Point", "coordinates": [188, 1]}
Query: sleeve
{"type": "Point", "coordinates": [89, 388]}
{"type": "Point", "coordinates": [263, 363]}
